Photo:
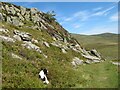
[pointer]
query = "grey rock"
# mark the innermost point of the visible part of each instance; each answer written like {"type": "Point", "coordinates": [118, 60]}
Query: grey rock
{"type": "Point", "coordinates": [94, 52]}
{"type": "Point", "coordinates": [9, 20]}
{"type": "Point", "coordinates": [27, 16]}
{"type": "Point", "coordinates": [76, 61]}
{"type": "Point", "coordinates": [16, 56]}
{"type": "Point", "coordinates": [1, 17]}
{"type": "Point", "coordinates": [88, 62]}
{"type": "Point", "coordinates": [7, 39]}
{"type": "Point", "coordinates": [17, 37]}
{"type": "Point", "coordinates": [116, 63]}
{"type": "Point", "coordinates": [90, 57]}
{"type": "Point", "coordinates": [4, 30]}
{"type": "Point", "coordinates": [46, 44]}
{"type": "Point", "coordinates": [42, 26]}
{"type": "Point", "coordinates": [24, 36]}
{"type": "Point", "coordinates": [20, 16]}
{"type": "Point", "coordinates": [33, 11]}
{"type": "Point", "coordinates": [63, 50]}
{"type": "Point", "coordinates": [34, 41]}
{"type": "Point", "coordinates": [96, 61]}
{"type": "Point", "coordinates": [31, 46]}
{"type": "Point", "coordinates": [23, 10]}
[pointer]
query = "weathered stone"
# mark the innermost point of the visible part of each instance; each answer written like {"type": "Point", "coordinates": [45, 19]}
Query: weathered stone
{"type": "Point", "coordinates": [33, 11]}
{"type": "Point", "coordinates": [116, 63]}
{"type": "Point", "coordinates": [94, 52]}
{"type": "Point", "coordinates": [27, 16]}
{"type": "Point", "coordinates": [63, 50]}
{"type": "Point", "coordinates": [23, 10]}
{"type": "Point", "coordinates": [30, 46]}
{"type": "Point", "coordinates": [17, 37]}
{"type": "Point", "coordinates": [42, 26]}
{"type": "Point", "coordinates": [1, 17]}
{"type": "Point", "coordinates": [24, 36]}
{"type": "Point", "coordinates": [76, 61]}
{"type": "Point", "coordinates": [46, 44]}
{"type": "Point", "coordinates": [20, 16]}
{"type": "Point", "coordinates": [35, 18]}
{"type": "Point", "coordinates": [16, 56]}
{"type": "Point", "coordinates": [7, 39]}
{"type": "Point", "coordinates": [9, 20]}
{"type": "Point", "coordinates": [34, 41]}
{"type": "Point", "coordinates": [4, 30]}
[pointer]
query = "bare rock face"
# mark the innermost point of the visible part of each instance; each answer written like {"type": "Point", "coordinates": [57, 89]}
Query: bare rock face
{"type": "Point", "coordinates": [17, 37]}
{"type": "Point", "coordinates": [76, 61]}
{"type": "Point", "coordinates": [7, 39]}
{"type": "Point", "coordinates": [24, 36]}
{"type": "Point", "coordinates": [63, 50]}
{"type": "Point", "coordinates": [22, 10]}
{"type": "Point", "coordinates": [4, 30]}
{"type": "Point", "coordinates": [46, 44]}
{"type": "Point", "coordinates": [16, 56]}
{"type": "Point", "coordinates": [30, 46]}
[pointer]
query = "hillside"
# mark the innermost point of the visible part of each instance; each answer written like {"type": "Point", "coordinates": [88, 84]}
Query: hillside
{"type": "Point", "coordinates": [32, 39]}
{"type": "Point", "coordinates": [106, 43]}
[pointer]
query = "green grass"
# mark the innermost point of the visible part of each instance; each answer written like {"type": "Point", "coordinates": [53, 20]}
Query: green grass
{"type": "Point", "coordinates": [24, 73]}
{"type": "Point", "coordinates": [106, 44]}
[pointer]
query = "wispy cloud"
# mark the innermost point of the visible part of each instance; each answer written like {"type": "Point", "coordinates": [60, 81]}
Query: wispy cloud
{"type": "Point", "coordinates": [103, 12]}
{"type": "Point", "coordinates": [98, 8]}
{"type": "Point", "coordinates": [114, 17]}
{"type": "Point", "coordinates": [85, 14]}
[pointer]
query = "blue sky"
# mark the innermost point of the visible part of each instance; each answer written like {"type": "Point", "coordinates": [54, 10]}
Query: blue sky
{"type": "Point", "coordinates": [81, 17]}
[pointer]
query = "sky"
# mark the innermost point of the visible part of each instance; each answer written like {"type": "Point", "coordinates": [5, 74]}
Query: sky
{"type": "Point", "coordinates": [81, 17]}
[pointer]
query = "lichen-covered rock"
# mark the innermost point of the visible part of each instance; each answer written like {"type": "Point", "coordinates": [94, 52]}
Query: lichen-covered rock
{"type": "Point", "coordinates": [24, 36]}
{"type": "Point", "coordinates": [63, 50]}
{"type": "Point", "coordinates": [7, 39]}
{"type": "Point", "coordinates": [4, 30]}
{"type": "Point", "coordinates": [31, 46]}
{"type": "Point", "coordinates": [76, 61]}
{"type": "Point", "coordinates": [17, 37]}
{"type": "Point", "coordinates": [23, 10]}
{"type": "Point", "coordinates": [16, 56]}
{"type": "Point", "coordinates": [46, 44]}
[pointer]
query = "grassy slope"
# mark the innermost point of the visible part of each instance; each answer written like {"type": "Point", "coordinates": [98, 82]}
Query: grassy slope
{"type": "Point", "coordinates": [106, 44]}
{"type": "Point", "coordinates": [24, 73]}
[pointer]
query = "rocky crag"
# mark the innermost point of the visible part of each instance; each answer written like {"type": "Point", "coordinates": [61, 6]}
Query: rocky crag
{"type": "Point", "coordinates": [39, 21]}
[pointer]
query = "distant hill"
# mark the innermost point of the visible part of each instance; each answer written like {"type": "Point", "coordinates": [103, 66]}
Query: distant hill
{"type": "Point", "coordinates": [106, 43]}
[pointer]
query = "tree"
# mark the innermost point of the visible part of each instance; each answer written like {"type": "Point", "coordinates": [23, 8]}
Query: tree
{"type": "Point", "coordinates": [50, 16]}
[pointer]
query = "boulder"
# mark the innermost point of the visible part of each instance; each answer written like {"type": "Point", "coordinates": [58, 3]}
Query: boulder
{"type": "Point", "coordinates": [24, 36]}
{"type": "Point", "coordinates": [16, 56]}
{"type": "Point", "coordinates": [33, 11]}
{"type": "Point", "coordinates": [27, 16]}
{"type": "Point", "coordinates": [46, 44]}
{"type": "Point", "coordinates": [34, 41]}
{"type": "Point", "coordinates": [17, 37]}
{"type": "Point", "coordinates": [4, 30]}
{"type": "Point", "coordinates": [1, 17]}
{"type": "Point", "coordinates": [22, 10]}
{"type": "Point", "coordinates": [116, 63]}
{"type": "Point", "coordinates": [94, 52]}
{"type": "Point", "coordinates": [7, 39]}
{"type": "Point", "coordinates": [88, 62]}
{"type": "Point", "coordinates": [63, 50]}
{"type": "Point", "coordinates": [31, 46]}
{"type": "Point", "coordinates": [76, 61]}
{"type": "Point", "coordinates": [90, 57]}
{"type": "Point", "coordinates": [8, 19]}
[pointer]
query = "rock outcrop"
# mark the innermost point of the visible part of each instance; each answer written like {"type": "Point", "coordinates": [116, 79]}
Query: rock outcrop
{"type": "Point", "coordinates": [34, 19]}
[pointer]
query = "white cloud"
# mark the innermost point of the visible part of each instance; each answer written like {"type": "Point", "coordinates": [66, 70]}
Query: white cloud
{"type": "Point", "coordinates": [114, 17]}
{"type": "Point", "coordinates": [104, 12]}
{"type": "Point", "coordinates": [96, 9]}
